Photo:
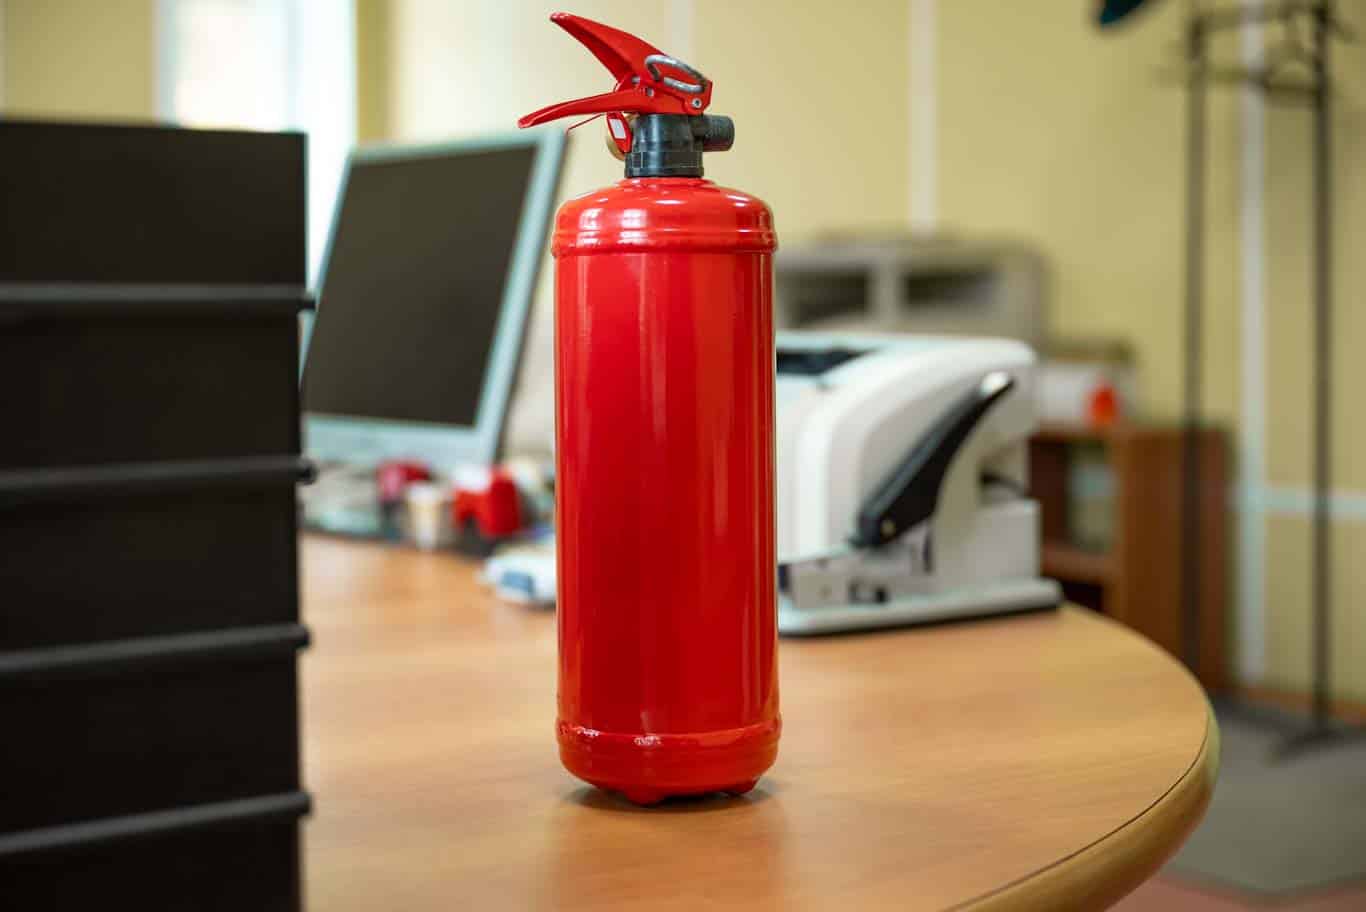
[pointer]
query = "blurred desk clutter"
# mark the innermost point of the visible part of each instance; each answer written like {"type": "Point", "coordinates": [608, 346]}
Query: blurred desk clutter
{"type": "Point", "coordinates": [473, 509]}
{"type": "Point", "coordinates": [151, 281]}
{"type": "Point", "coordinates": [414, 357]}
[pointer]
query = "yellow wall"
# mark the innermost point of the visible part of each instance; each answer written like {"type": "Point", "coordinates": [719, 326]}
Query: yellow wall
{"type": "Point", "coordinates": [74, 58]}
{"type": "Point", "coordinates": [372, 70]}
{"type": "Point", "coordinates": [819, 97]}
{"type": "Point", "coordinates": [1289, 628]}
{"type": "Point", "coordinates": [1055, 131]}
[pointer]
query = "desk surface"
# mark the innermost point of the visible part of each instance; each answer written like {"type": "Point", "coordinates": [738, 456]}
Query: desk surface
{"type": "Point", "coordinates": [1019, 762]}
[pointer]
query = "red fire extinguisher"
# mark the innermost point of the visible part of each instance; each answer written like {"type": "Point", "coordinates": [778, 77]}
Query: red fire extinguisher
{"type": "Point", "coordinates": [664, 430]}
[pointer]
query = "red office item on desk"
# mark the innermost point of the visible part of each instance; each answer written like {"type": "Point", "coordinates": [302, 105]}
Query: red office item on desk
{"type": "Point", "coordinates": [491, 502]}
{"type": "Point", "coordinates": [664, 432]}
{"type": "Point", "coordinates": [393, 476]}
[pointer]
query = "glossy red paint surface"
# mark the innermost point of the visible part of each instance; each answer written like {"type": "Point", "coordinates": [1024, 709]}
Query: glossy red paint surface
{"type": "Point", "coordinates": [664, 430]}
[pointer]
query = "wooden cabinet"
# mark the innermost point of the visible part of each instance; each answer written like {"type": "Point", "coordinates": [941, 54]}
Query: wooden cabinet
{"type": "Point", "coordinates": [1135, 577]}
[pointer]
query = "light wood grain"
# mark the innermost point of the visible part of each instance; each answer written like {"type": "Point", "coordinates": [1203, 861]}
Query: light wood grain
{"type": "Point", "coordinates": [1045, 761]}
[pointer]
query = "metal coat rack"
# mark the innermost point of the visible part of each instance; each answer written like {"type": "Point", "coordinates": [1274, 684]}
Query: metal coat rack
{"type": "Point", "coordinates": [1295, 70]}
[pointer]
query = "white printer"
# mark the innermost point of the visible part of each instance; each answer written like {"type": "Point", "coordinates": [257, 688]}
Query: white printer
{"type": "Point", "coordinates": [901, 478]}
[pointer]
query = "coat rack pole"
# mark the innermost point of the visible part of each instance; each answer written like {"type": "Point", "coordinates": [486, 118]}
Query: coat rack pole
{"type": "Point", "coordinates": [1196, 37]}
{"type": "Point", "coordinates": [1323, 369]}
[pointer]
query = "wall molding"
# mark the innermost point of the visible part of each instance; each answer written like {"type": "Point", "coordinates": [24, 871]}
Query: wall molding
{"type": "Point", "coordinates": [1289, 500]}
{"type": "Point", "coordinates": [923, 140]}
{"type": "Point", "coordinates": [1251, 594]}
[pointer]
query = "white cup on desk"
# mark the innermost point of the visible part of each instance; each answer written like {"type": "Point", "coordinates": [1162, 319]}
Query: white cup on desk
{"type": "Point", "coordinates": [428, 509]}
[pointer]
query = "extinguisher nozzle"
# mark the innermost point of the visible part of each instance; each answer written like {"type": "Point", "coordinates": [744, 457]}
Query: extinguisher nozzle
{"type": "Point", "coordinates": [718, 132]}
{"type": "Point", "coordinates": [671, 145]}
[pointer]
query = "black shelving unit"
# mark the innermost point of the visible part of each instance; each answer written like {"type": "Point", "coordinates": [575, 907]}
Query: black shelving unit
{"type": "Point", "coordinates": [151, 281]}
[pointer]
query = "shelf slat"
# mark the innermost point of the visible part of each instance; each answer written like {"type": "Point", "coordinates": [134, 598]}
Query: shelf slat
{"type": "Point", "coordinates": [1071, 564]}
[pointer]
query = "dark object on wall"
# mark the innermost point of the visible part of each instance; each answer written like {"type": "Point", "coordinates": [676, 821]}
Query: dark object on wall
{"type": "Point", "coordinates": [1111, 12]}
{"type": "Point", "coordinates": [151, 281]}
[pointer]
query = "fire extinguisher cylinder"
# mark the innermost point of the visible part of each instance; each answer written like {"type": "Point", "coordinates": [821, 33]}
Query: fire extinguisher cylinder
{"type": "Point", "coordinates": [664, 428]}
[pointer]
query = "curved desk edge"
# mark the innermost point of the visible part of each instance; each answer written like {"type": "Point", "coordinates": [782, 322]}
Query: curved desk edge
{"type": "Point", "coordinates": [1113, 866]}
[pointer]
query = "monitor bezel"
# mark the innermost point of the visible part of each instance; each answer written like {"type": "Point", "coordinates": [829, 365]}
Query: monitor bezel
{"type": "Point", "coordinates": [361, 440]}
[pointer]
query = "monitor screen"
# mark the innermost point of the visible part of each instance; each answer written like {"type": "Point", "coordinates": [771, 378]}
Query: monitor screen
{"type": "Point", "coordinates": [414, 284]}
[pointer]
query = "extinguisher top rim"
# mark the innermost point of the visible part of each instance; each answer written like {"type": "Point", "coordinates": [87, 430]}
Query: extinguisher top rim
{"type": "Point", "coordinates": [664, 213]}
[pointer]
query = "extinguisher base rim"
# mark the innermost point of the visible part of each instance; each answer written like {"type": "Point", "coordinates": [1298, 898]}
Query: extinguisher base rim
{"type": "Point", "coordinates": [647, 768]}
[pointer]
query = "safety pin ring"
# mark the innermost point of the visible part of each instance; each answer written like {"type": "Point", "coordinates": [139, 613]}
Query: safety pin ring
{"type": "Point", "coordinates": [655, 61]}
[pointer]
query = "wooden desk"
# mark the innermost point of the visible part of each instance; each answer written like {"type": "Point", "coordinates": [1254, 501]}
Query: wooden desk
{"type": "Point", "coordinates": [1046, 761]}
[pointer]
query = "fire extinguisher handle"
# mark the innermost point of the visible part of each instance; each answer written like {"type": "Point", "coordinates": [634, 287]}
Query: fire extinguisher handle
{"type": "Point", "coordinates": [643, 83]}
{"type": "Point", "coordinates": [606, 103]}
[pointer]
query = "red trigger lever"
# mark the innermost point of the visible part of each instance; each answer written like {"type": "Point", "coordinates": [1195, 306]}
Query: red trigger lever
{"type": "Point", "coordinates": [648, 81]}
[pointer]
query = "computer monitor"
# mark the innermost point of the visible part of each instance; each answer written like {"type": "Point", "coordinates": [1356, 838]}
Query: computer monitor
{"type": "Point", "coordinates": [426, 286]}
